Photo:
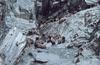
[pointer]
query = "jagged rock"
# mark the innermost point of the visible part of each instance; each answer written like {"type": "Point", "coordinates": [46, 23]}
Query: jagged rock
{"type": "Point", "coordinates": [89, 2]}
{"type": "Point", "coordinates": [1, 61]}
{"type": "Point", "coordinates": [23, 10]}
{"type": "Point", "coordinates": [12, 46]}
{"type": "Point", "coordinates": [20, 15]}
{"type": "Point", "coordinates": [74, 24]}
{"type": "Point", "coordinates": [20, 23]}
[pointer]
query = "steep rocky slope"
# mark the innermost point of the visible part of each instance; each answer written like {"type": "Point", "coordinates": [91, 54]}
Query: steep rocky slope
{"type": "Point", "coordinates": [74, 39]}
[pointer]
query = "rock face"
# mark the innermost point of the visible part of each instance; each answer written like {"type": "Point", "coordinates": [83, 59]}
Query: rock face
{"type": "Point", "coordinates": [75, 24]}
{"type": "Point", "coordinates": [45, 57]}
{"type": "Point", "coordinates": [12, 46]}
{"type": "Point", "coordinates": [77, 29]}
{"type": "Point", "coordinates": [3, 27]}
{"type": "Point", "coordinates": [68, 39]}
{"type": "Point", "coordinates": [21, 15]}
{"type": "Point", "coordinates": [20, 23]}
{"type": "Point", "coordinates": [89, 2]}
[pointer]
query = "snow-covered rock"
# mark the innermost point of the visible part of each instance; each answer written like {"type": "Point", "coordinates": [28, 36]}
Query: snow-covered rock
{"type": "Point", "coordinates": [21, 13]}
{"type": "Point", "coordinates": [47, 57]}
{"type": "Point", "coordinates": [13, 45]}
{"type": "Point", "coordinates": [93, 61]}
{"type": "Point", "coordinates": [25, 4]}
{"type": "Point", "coordinates": [89, 2]}
{"type": "Point", "coordinates": [74, 26]}
{"type": "Point", "coordinates": [76, 33]}
{"type": "Point", "coordinates": [48, 45]}
{"type": "Point", "coordinates": [20, 23]}
{"type": "Point", "coordinates": [1, 61]}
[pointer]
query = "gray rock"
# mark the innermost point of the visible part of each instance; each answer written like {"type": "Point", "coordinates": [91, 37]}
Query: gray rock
{"type": "Point", "coordinates": [12, 46]}
{"type": "Point", "coordinates": [47, 57]}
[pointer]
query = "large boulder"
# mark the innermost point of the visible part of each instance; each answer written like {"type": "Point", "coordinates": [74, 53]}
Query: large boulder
{"type": "Point", "coordinates": [22, 24]}
{"type": "Point", "coordinates": [20, 13]}
{"type": "Point", "coordinates": [90, 2]}
{"type": "Point", "coordinates": [47, 57]}
{"type": "Point", "coordinates": [12, 46]}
